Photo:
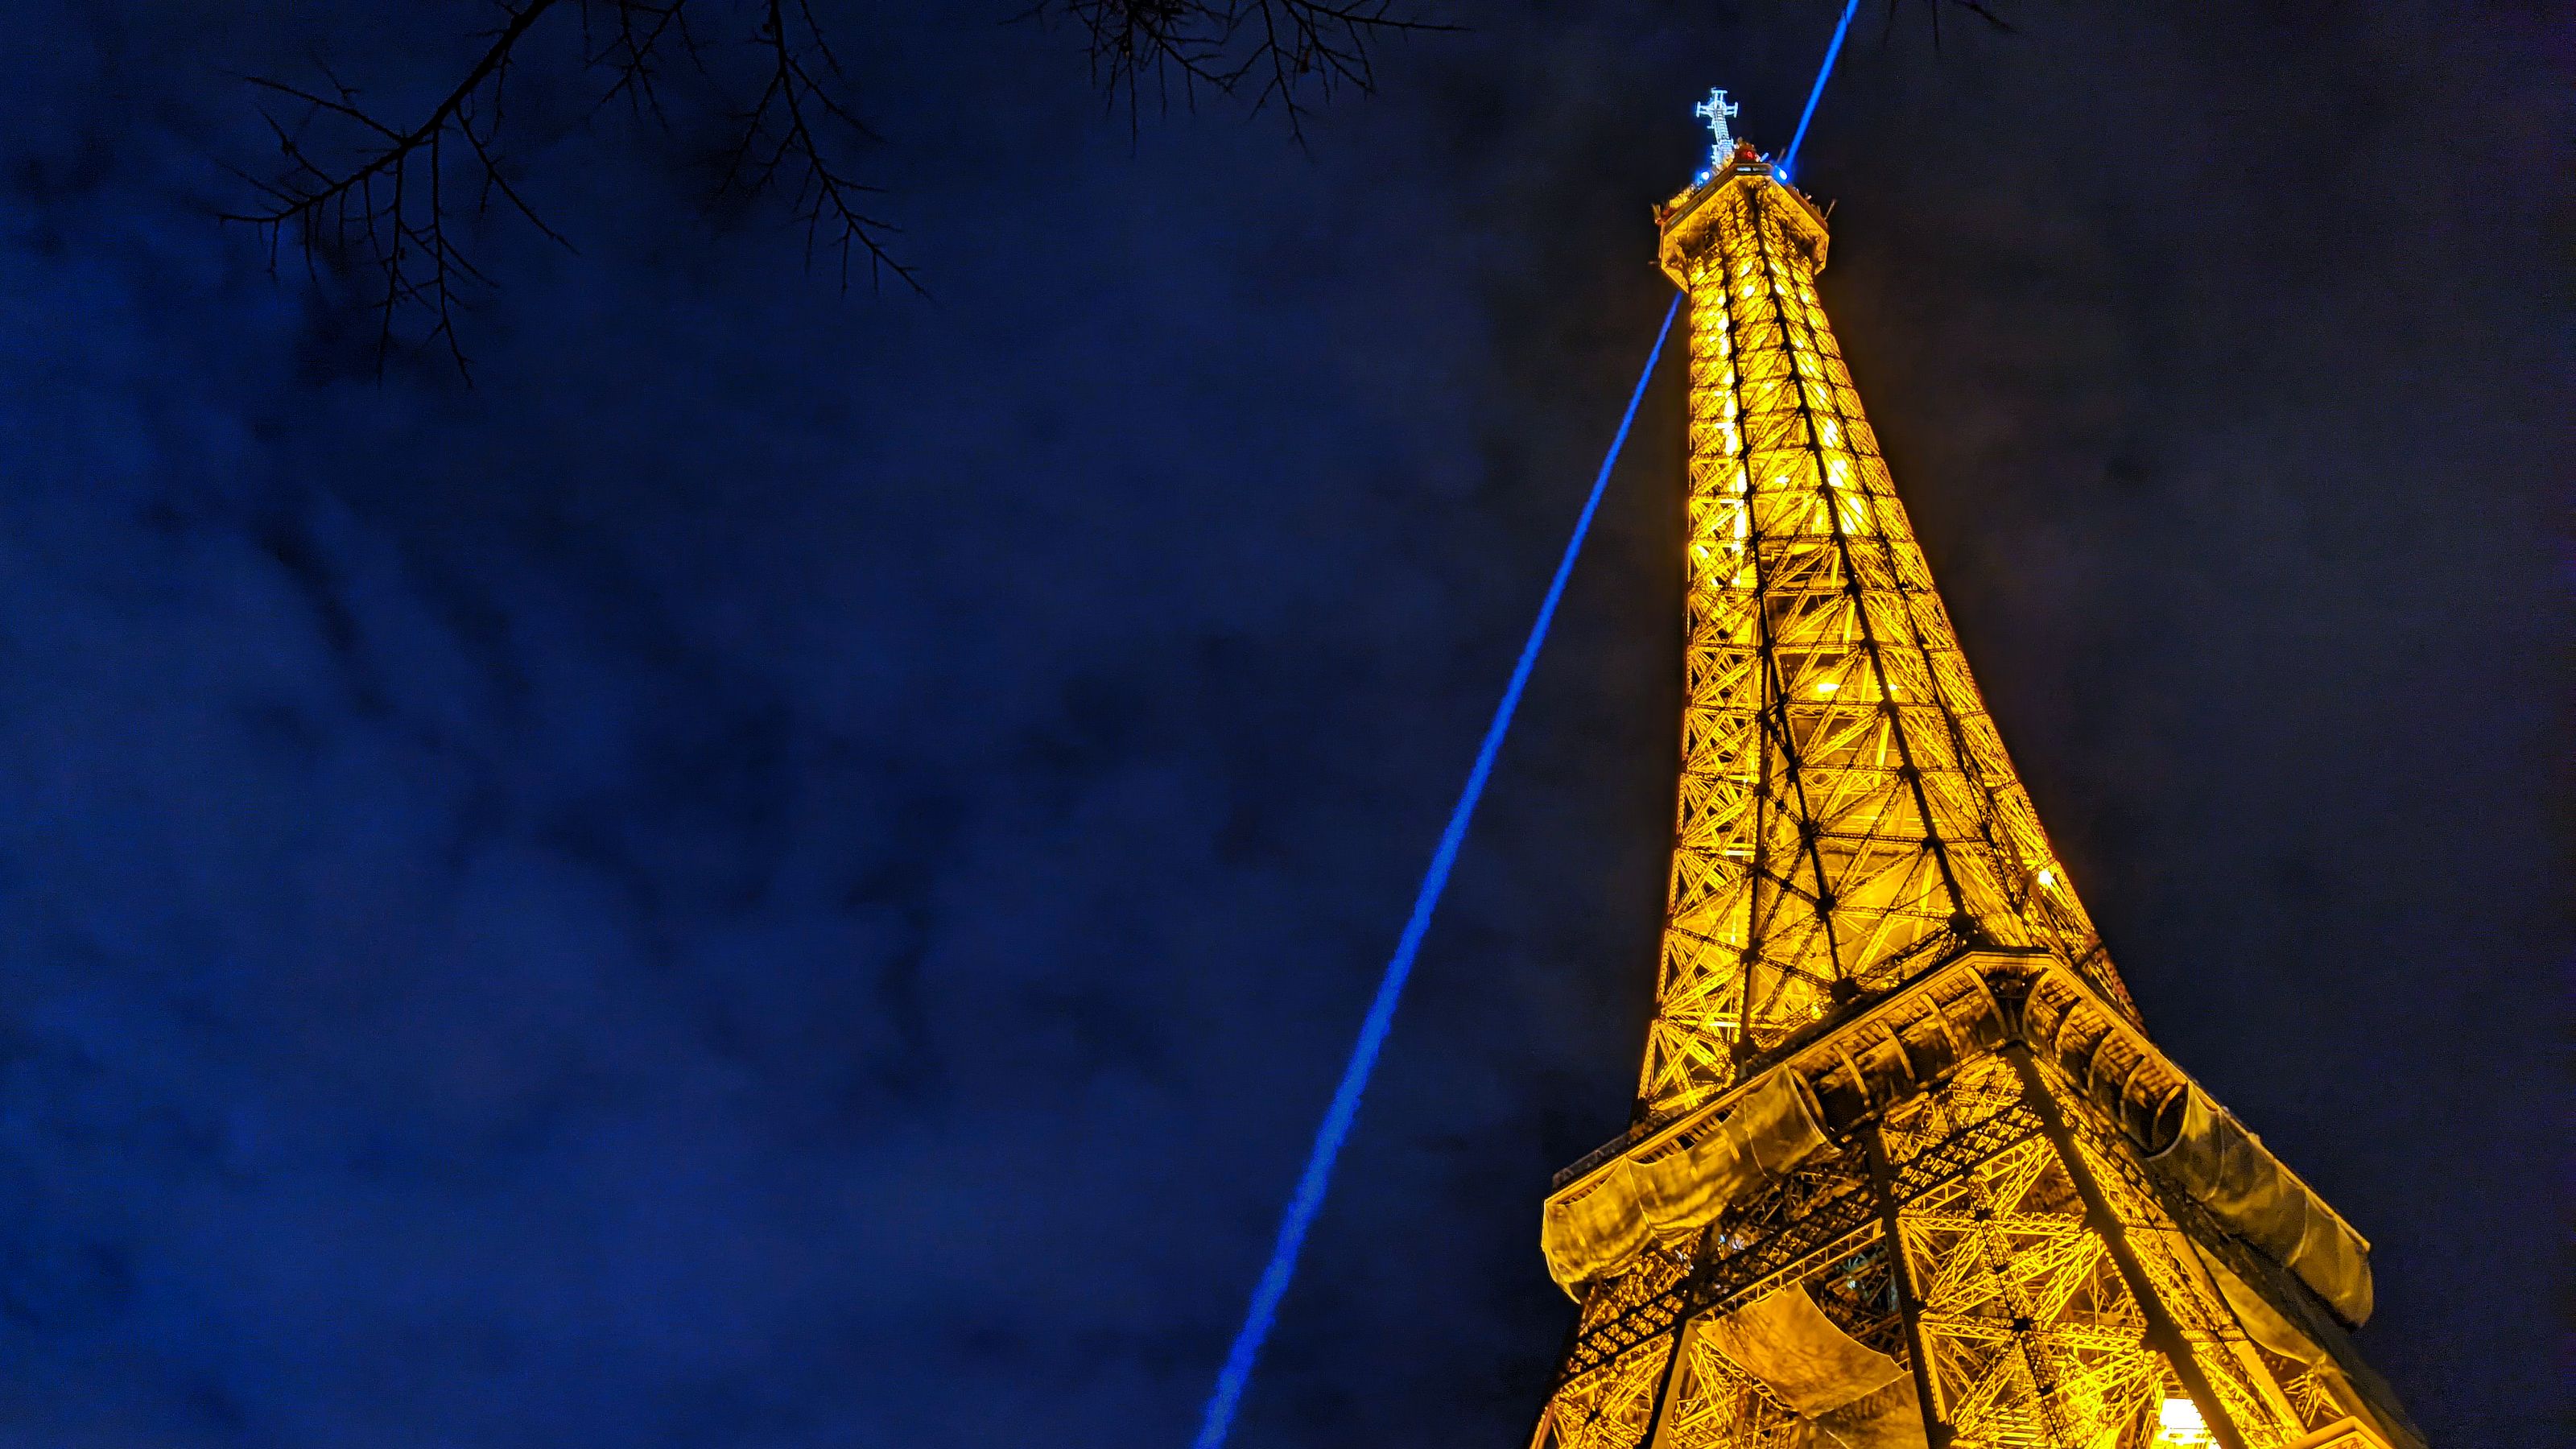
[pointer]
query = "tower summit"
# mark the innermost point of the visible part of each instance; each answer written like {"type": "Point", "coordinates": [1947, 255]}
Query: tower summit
{"type": "Point", "coordinates": [1717, 111]}
{"type": "Point", "coordinates": [1905, 1168]}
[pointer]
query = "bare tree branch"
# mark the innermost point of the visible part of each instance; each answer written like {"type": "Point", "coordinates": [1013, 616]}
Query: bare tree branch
{"type": "Point", "coordinates": [1291, 54]}
{"type": "Point", "coordinates": [389, 200]}
{"type": "Point", "coordinates": [780, 151]}
{"type": "Point", "coordinates": [632, 52]}
{"type": "Point", "coordinates": [391, 204]}
{"type": "Point", "coordinates": [1977, 8]}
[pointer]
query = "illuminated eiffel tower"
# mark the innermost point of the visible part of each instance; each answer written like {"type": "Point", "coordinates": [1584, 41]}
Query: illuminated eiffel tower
{"type": "Point", "coordinates": [1905, 1168]}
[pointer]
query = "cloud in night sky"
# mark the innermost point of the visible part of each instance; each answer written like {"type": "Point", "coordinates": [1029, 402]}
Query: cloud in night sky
{"type": "Point", "coordinates": [794, 870]}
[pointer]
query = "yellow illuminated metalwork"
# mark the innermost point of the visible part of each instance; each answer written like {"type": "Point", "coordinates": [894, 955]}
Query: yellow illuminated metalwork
{"type": "Point", "coordinates": [1861, 893]}
{"type": "Point", "coordinates": [1846, 805]}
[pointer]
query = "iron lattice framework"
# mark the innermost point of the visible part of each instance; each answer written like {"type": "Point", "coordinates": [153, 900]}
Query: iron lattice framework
{"type": "Point", "coordinates": [1861, 891]}
{"type": "Point", "coordinates": [1846, 804]}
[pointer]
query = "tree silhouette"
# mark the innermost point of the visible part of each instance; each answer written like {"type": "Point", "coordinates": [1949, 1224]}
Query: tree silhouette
{"type": "Point", "coordinates": [385, 199]}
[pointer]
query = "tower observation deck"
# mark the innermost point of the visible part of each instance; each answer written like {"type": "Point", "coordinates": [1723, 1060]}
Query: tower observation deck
{"type": "Point", "coordinates": [1905, 1168]}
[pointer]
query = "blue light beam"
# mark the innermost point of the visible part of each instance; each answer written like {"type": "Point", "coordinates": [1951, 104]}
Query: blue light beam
{"type": "Point", "coordinates": [1789, 157]}
{"type": "Point", "coordinates": [1309, 1197]}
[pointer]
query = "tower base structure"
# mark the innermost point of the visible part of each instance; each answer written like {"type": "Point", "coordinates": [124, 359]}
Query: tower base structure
{"type": "Point", "coordinates": [1981, 1211]}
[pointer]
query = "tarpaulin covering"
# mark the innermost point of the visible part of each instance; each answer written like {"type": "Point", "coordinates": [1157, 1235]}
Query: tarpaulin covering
{"type": "Point", "coordinates": [2229, 1171]}
{"type": "Point", "coordinates": [2268, 1325]}
{"type": "Point", "coordinates": [1890, 1417]}
{"type": "Point", "coordinates": [1847, 1392]}
{"type": "Point", "coordinates": [2263, 1322]}
{"type": "Point", "coordinates": [1677, 1183]}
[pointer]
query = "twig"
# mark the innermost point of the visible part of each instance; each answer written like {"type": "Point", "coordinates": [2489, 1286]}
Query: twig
{"type": "Point", "coordinates": [376, 197]}
{"type": "Point", "coordinates": [778, 141]}
{"type": "Point", "coordinates": [376, 205]}
{"type": "Point", "coordinates": [1279, 51]}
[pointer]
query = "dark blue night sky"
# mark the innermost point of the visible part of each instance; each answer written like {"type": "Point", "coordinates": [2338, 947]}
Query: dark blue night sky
{"type": "Point", "coordinates": [795, 870]}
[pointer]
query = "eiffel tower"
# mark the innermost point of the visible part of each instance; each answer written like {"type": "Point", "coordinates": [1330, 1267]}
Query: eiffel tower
{"type": "Point", "coordinates": [1905, 1168]}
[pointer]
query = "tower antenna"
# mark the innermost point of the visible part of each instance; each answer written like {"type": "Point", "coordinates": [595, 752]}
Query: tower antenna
{"type": "Point", "coordinates": [1717, 111]}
